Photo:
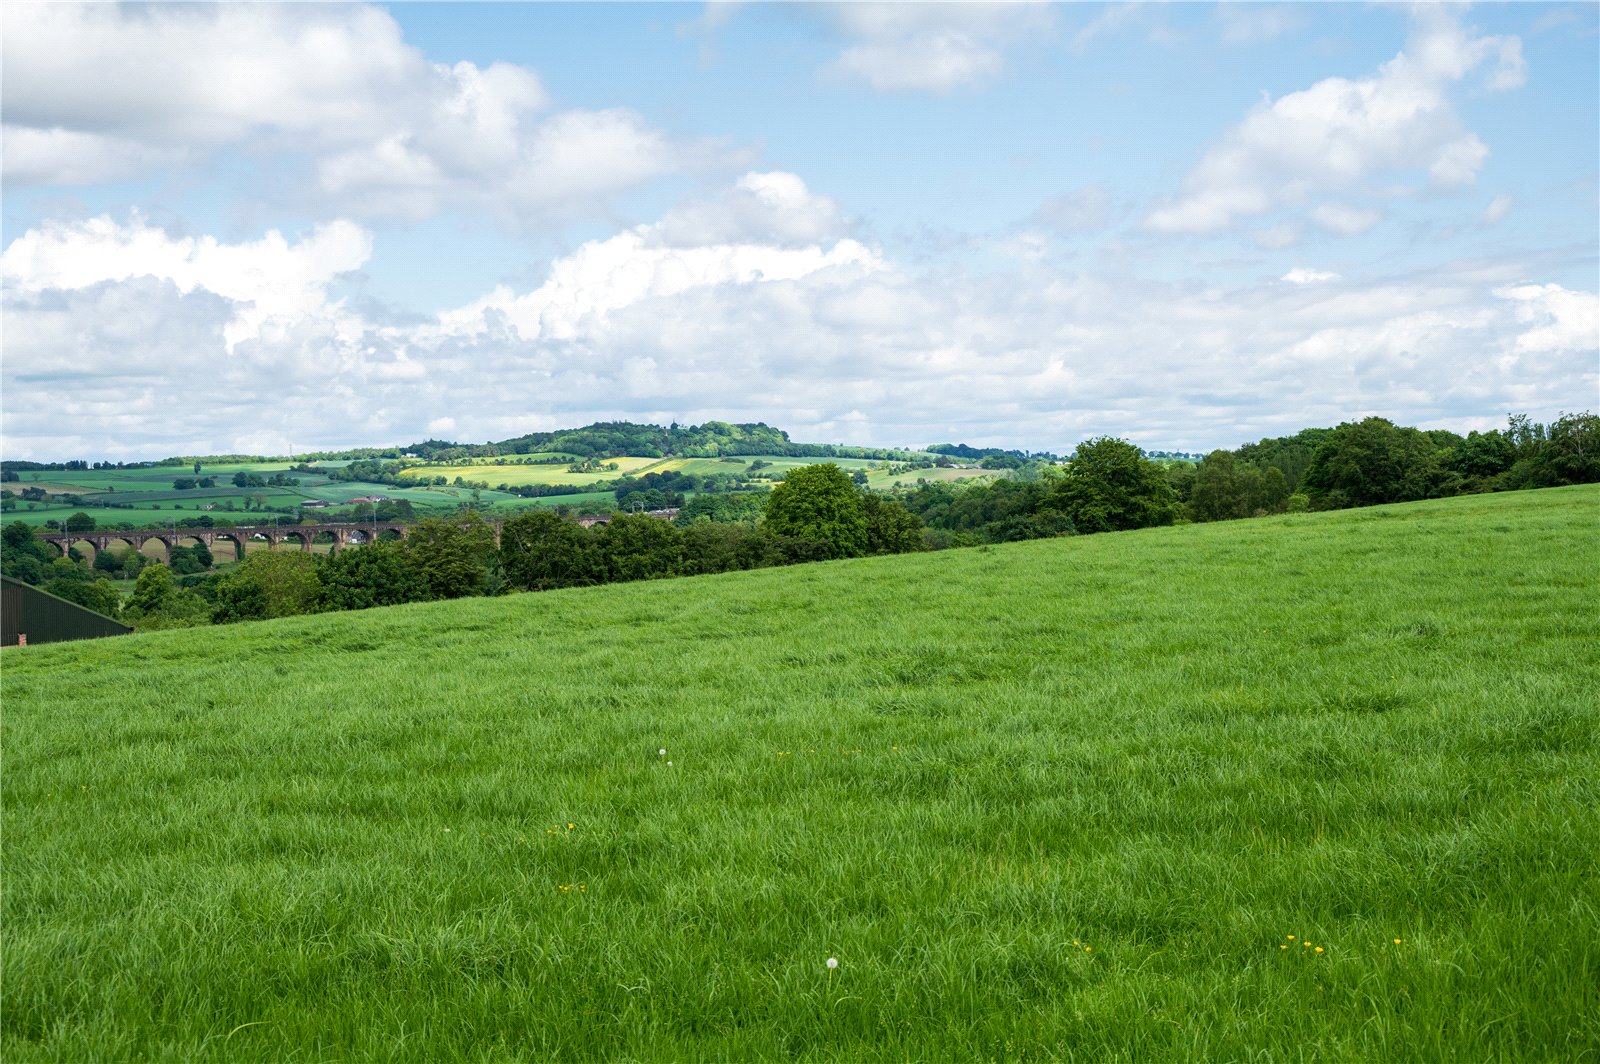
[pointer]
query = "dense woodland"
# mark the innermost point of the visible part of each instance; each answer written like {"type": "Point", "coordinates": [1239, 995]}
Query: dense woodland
{"type": "Point", "coordinates": [820, 512]}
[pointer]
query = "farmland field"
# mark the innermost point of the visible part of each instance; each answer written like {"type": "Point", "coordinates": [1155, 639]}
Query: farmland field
{"type": "Point", "coordinates": [1316, 787]}
{"type": "Point", "coordinates": [516, 474]}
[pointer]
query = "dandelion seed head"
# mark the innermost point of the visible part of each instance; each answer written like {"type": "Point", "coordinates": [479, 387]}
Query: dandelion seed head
{"type": "Point", "coordinates": [833, 962]}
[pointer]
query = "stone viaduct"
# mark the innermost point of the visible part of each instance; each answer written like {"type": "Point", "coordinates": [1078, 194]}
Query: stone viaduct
{"type": "Point", "coordinates": [344, 535]}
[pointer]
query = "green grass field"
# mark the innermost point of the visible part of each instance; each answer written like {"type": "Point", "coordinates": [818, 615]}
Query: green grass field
{"type": "Point", "coordinates": [1318, 787]}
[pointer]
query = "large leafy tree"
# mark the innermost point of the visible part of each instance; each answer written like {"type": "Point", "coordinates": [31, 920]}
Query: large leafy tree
{"type": "Point", "coordinates": [361, 577]}
{"type": "Point", "coordinates": [1110, 486]}
{"type": "Point", "coordinates": [541, 549]}
{"type": "Point", "coordinates": [269, 584]}
{"type": "Point", "coordinates": [822, 505]}
{"type": "Point", "coordinates": [891, 528]}
{"type": "Point", "coordinates": [1374, 461]}
{"type": "Point", "coordinates": [637, 547]}
{"type": "Point", "coordinates": [452, 557]}
{"type": "Point", "coordinates": [22, 557]}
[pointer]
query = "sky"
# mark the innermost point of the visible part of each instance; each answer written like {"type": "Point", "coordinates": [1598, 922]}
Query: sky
{"type": "Point", "coordinates": [269, 229]}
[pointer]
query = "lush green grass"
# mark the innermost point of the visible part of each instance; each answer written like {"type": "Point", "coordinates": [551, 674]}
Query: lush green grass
{"type": "Point", "coordinates": [1061, 800]}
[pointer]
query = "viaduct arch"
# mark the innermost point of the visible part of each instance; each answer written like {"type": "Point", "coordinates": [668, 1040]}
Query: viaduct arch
{"type": "Point", "coordinates": [344, 535]}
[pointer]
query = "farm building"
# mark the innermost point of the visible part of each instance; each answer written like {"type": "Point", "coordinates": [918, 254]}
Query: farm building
{"type": "Point", "coordinates": [28, 615]}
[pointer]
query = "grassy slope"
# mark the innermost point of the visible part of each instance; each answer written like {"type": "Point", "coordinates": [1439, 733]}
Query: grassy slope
{"type": "Point", "coordinates": [1058, 800]}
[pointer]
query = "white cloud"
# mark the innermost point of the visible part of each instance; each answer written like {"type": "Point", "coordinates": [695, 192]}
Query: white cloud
{"type": "Point", "coordinates": [934, 48]}
{"type": "Point", "coordinates": [1561, 319]}
{"type": "Point", "coordinates": [761, 208]}
{"type": "Point", "coordinates": [1497, 209]}
{"type": "Point", "coordinates": [830, 341]}
{"type": "Point", "coordinates": [267, 279]}
{"type": "Point", "coordinates": [756, 233]}
{"type": "Point", "coordinates": [1338, 133]}
{"type": "Point", "coordinates": [99, 92]}
{"type": "Point", "coordinates": [1306, 275]}
{"type": "Point", "coordinates": [1344, 219]}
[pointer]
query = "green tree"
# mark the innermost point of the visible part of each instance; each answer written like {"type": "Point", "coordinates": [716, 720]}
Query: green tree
{"type": "Point", "coordinates": [1110, 486]}
{"type": "Point", "coordinates": [1216, 495]}
{"type": "Point", "coordinates": [540, 549]}
{"type": "Point", "coordinates": [891, 528]}
{"type": "Point", "coordinates": [79, 522]}
{"type": "Point", "coordinates": [153, 591]}
{"type": "Point", "coordinates": [1374, 461]}
{"type": "Point", "coordinates": [452, 557]}
{"type": "Point", "coordinates": [269, 584]}
{"type": "Point", "coordinates": [361, 577]}
{"type": "Point", "coordinates": [22, 557]}
{"type": "Point", "coordinates": [97, 595]}
{"type": "Point", "coordinates": [820, 504]}
{"type": "Point", "coordinates": [638, 547]}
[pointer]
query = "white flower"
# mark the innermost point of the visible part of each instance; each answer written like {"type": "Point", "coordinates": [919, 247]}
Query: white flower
{"type": "Point", "coordinates": [669, 764]}
{"type": "Point", "coordinates": [833, 962]}
{"type": "Point", "coordinates": [662, 751]}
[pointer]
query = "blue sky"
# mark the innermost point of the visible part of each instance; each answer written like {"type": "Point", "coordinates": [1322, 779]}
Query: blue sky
{"type": "Point", "coordinates": [264, 228]}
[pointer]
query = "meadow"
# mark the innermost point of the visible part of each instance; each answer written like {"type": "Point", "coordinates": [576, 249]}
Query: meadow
{"type": "Point", "coordinates": [1313, 787]}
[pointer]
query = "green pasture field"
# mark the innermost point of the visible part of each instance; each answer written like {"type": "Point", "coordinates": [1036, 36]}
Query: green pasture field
{"type": "Point", "coordinates": [1316, 787]}
{"type": "Point", "coordinates": [145, 515]}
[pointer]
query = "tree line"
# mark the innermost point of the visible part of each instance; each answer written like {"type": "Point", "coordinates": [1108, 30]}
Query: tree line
{"type": "Point", "coordinates": [1110, 484]}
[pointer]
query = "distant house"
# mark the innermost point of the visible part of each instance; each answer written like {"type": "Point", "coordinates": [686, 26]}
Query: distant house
{"type": "Point", "coordinates": [31, 616]}
{"type": "Point", "coordinates": [311, 504]}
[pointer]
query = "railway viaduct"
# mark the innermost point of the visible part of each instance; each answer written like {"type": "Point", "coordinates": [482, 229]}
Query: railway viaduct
{"type": "Point", "coordinates": [344, 535]}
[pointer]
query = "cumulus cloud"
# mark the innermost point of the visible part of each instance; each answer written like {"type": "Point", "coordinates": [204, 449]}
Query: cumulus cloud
{"type": "Point", "coordinates": [929, 47]}
{"type": "Point", "coordinates": [765, 229]}
{"type": "Point", "coordinates": [761, 208]}
{"type": "Point", "coordinates": [265, 280]}
{"type": "Point", "coordinates": [829, 340]}
{"type": "Point", "coordinates": [99, 92]}
{"type": "Point", "coordinates": [1338, 133]}
{"type": "Point", "coordinates": [1559, 319]}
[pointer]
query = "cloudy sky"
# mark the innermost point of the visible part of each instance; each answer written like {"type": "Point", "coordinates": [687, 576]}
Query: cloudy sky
{"type": "Point", "coordinates": [264, 228]}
